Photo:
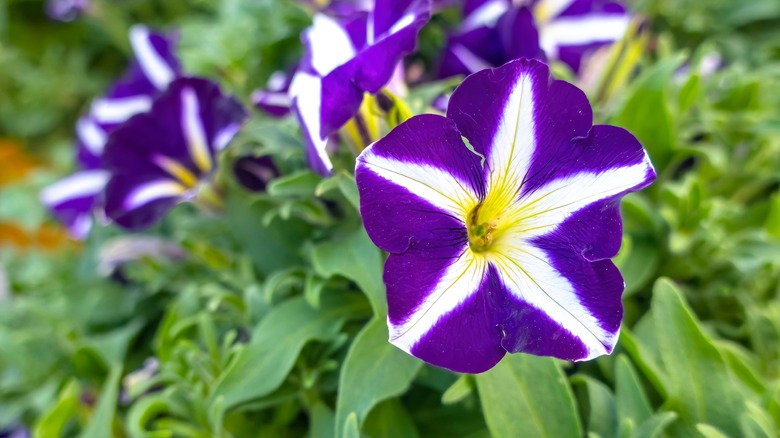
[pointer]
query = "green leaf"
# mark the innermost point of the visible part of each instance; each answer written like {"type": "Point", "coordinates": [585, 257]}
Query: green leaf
{"type": "Point", "coordinates": [689, 93]}
{"type": "Point", "coordinates": [632, 401]}
{"type": "Point", "coordinates": [708, 431]}
{"type": "Point", "coordinates": [646, 112]}
{"type": "Point", "coordinates": [743, 365]}
{"type": "Point", "coordinates": [271, 247]}
{"type": "Point", "coordinates": [312, 289]}
{"type": "Point", "coordinates": [112, 346]}
{"type": "Point", "coordinates": [355, 257]}
{"type": "Point", "coordinates": [301, 184]}
{"type": "Point", "coordinates": [601, 415]}
{"type": "Point", "coordinates": [100, 425]}
{"type": "Point", "coordinates": [462, 388]}
{"type": "Point", "coordinates": [276, 342]}
{"type": "Point", "coordinates": [653, 426]}
{"type": "Point", "coordinates": [528, 396]}
{"type": "Point", "coordinates": [143, 412]}
{"type": "Point", "coordinates": [351, 428]}
{"type": "Point", "coordinates": [700, 386]}
{"type": "Point", "coordinates": [373, 371]}
{"type": "Point", "coordinates": [52, 422]}
{"type": "Point", "coordinates": [757, 423]}
{"type": "Point", "coordinates": [638, 260]}
{"type": "Point", "coordinates": [345, 184]}
{"type": "Point", "coordinates": [390, 420]}
{"type": "Point", "coordinates": [323, 421]}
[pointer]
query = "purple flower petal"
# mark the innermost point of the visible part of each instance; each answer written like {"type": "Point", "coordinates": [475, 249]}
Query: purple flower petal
{"type": "Point", "coordinates": [72, 200]}
{"type": "Point", "coordinates": [510, 254]}
{"type": "Point", "coordinates": [494, 32]}
{"type": "Point", "coordinates": [571, 30]}
{"type": "Point", "coordinates": [66, 10]}
{"type": "Point", "coordinates": [158, 158]}
{"type": "Point", "coordinates": [345, 59]}
{"type": "Point", "coordinates": [275, 99]}
{"type": "Point", "coordinates": [154, 67]}
{"type": "Point", "coordinates": [254, 173]}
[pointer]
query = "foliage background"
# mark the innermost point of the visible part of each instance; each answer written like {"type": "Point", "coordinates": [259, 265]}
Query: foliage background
{"type": "Point", "coordinates": [274, 323]}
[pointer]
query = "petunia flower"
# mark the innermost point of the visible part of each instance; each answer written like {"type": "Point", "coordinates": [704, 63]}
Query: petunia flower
{"type": "Point", "coordinates": [496, 31]}
{"type": "Point", "coordinates": [74, 199]}
{"type": "Point", "coordinates": [346, 58]}
{"type": "Point", "coordinates": [506, 248]}
{"type": "Point", "coordinates": [275, 98]}
{"type": "Point", "coordinates": [168, 154]}
{"type": "Point", "coordinates": [66, 10]}
{"type": "Point", "coordinates": [255, 172]}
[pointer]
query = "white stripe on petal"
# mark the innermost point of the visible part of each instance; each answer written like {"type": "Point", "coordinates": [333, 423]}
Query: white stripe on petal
{"type": "Point", "coordinates": [277, 81]}
{"type": "Point", "coordinates": [485, 16]}
{"type": "Point", "coordinates": [91, 135]}
{"type": "Point", "coordinates": [157, 70]}
{"type": "Point", "coordinates": [542, 210]}
{"type": "Point", "coordinates": [153, 191]}
{"type": "Point", "coordinates": [225, 135]}
{"type": "Point", "coordinates": [280, 99]}
{"type": "Point", "coordinates": [81, 226]}
{"type": "Point", "coordinates": [307, 92]}
{"type": "Point", "coordinates": [461, 280]}
{"type": "Point", "coordinates": [120, 109]}
{"type": "Point", "coordinates": [193, 129]}
{"type": "Point", "coordinates": [79, 185]}
{"type": "Point", "coordinates": [580, 31]}
{"type": "Point", "coordinates": [330, 44]}
{"type": "Point", "coordinates": [406, 20]}
{"type": "Point", "coordinates": [469, 59]}
{"type": "Point", "coordinates": [513, 145]}
{"type": "Point", "coordinates": [436, 186]}
{"type": "Point", "coordinates": [528, 274]}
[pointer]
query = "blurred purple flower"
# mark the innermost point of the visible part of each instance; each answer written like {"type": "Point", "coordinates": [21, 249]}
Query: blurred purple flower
{"type": "Point", "coordinates": [161, 157]}
{"type": "Point", "coordinates": [274, 99]}
{"type": "Point", "coordinates": [16, 432]}
{"type": "Point", "coordinates": [345, 58]}
{"type": "Point", "coordinates": [74, 199]}
{"type": "Point", "coordinates": [254, 173]}
{"type": "Point", "coordinates": [122, 250]}
{"type": "Point", "coordinates": [138, 379]}
{"type": "Point", "coordinates": [66, 10]}
{"type": "Point", "coordinates": [496, 31]}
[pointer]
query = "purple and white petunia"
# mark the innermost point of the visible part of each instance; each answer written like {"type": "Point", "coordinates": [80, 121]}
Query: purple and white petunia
{"type": "Point", "coordinates": [275, 99]}
{"type": "Point", "coordinates": [496, 31]}
{"type": "Point", "coordinates": [74, 199]}
{"type": "Point", "coordinates": [345, 58]}
{"type": "Point", "coordinates": [165, 156]}
{"type": "Point", "coordinates": [506, 248]}
{"type": "Point", "coordinates": [255, 172]}
{"type": "Point", "coordinates": [66, 10]}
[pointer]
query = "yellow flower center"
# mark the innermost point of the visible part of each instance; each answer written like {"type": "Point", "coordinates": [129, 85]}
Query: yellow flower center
{"type": "Point", "coordinates": [481, 234]}
{"type": "Point", "coordinates": [495, 216]}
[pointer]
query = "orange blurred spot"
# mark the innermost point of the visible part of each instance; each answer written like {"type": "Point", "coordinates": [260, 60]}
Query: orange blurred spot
{"type": "Point", "coordinates": [15, 163]}
{"type": "Point", "coordinates": [51, 237]}
{"type": "Point", "coordinates": [14, 235]}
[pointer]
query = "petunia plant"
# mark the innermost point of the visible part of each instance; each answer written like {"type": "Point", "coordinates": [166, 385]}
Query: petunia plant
{"type": "Point", "coordinates": [413, 228]}
{"type": "Point", "coordinates": [75, 199]}
{"type": "Point", "coordinates": [502, 245]}
{"type": "Point", "coordinates": [496, 31]}
{"type": "Point", "coordinates": [345, 58]}
{"type": "Point", "coordinates": [168, 154]}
